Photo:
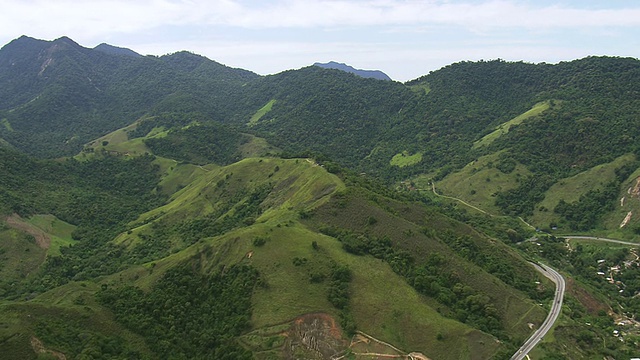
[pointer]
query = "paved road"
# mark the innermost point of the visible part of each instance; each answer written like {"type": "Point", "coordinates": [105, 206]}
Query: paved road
{"type": "Point", "coordinates": [553, 275]}
{"type": "Point", "coordinates": [598, 239]}
{"type": "Point", "coordinates": [556, 308]}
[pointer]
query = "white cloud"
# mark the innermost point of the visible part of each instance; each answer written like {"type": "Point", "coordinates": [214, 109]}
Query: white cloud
{"type": "Point", "coordinates": [91, 19]}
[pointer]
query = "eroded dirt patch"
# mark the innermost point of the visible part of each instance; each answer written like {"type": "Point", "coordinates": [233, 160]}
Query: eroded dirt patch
{"type": "Point", "coordinates": [314, 336]}
{"type": "Point", "coordinates": [635, 190]}
{"type": "Point", "coordinates": [39, 348]}
{"type": "Point", "coordinates": [590, 303]}
{"type": "Point", "coordinates": [318, 336]}
{"type": "Point", "coordinates": [16, 222]}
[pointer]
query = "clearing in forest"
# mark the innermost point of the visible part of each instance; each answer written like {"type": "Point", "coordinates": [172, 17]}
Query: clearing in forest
{"type": "Point", "coordinates": [537, 109]}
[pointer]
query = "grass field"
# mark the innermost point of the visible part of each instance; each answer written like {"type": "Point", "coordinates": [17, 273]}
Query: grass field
{"type": "Point", "coordinates": [261, 112]}
{"type": "Point", "coordinates": [6, 124]}
{"type": "Point", "coordinates": [257, 147]}
{"type": "Point", "coordinates": [570, 189]}
{"type": "Point", "coordinates": [404, 225]}
{"type": "Point", "coordinates": [421, 88]}
{"type": "Point", "coordinates": [382, 303]}
{"type": "Point", "coordinates": [478, 181]}
{"type": "Point", "coordinates": [59, 231]}
{"type": "Point", "coordinates": [117, 141]}
{"type": "Point", "coordinates": [504, 128]}
{"type": "Point", "coordinates": [20, 255]}
{"type": "Point", "coordinates": [58, 323]}
{"type": "Point", "coordinates": [404, 159]}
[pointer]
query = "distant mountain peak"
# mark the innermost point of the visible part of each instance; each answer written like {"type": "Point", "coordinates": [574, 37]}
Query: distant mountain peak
{"type": "Point", "coordinates": [115, 50]}
{"type": "Point", "coordinates": [374, 74]}
{"type": "Point", "coordinates": [66, 40]}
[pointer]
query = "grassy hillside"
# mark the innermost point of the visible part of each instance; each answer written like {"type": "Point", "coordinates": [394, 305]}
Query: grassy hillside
{"type": "Point", "coordinates": [270, 217]}
{"type": "Point", "coordinates": [479, 181]}
{"type": "Point", "coordinates": [504, 128]}
{"type": "Point", "coordinates": [571, 189]}
{"type": "Point", "coordinates": [174, 230]}
{"type": "Point", "coordinates": [288, 260]}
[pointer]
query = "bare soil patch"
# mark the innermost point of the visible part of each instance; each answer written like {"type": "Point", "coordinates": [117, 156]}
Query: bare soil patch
{"type": "Point", "coordinates": [39, 348]}
{"type": "Point", "coordinates": [635, 191]}
{"type": "Point", "coordinates": [314, 336]}
{"type": "Point", "coordinates": [16, 222]}
{"type": "Point", "coordinates": [592, 304]}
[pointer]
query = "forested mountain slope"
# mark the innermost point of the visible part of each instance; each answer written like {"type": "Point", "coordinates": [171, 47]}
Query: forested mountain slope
{"type": "Point", "coordinates": [279, 238]}
{"type": "Point", "coordinates": [359, 122]}
{"type": "Point", "coordinates": [183, 187]}
{"type": "Point", "coordinates": [57, 95]}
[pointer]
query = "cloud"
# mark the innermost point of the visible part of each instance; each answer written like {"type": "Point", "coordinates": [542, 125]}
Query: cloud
{"type": "Point", "coordinates": [97, 18]}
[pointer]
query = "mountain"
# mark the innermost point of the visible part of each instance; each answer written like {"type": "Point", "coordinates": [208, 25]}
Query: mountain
{"type": "Point", "coordinates": [174, 206]}
{"type": "Point", "coordinates": [93, 93]}
{"type": "Point", "coordinates": [273, 240]}
{"type": "Point", "coordinates": [114, 50]}
{"type": "Point", "coordinates": [549, 122]}
{"type": "Point", "coordinates": [374, 74]}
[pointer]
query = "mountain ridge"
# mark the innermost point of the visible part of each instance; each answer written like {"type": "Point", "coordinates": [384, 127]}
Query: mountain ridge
{"type": "Point", "coordinates": [315, 192]}
{"type": "Point", "coordinates": [110, 49]}
{"type": "Point", "coordinates": [374, 74]}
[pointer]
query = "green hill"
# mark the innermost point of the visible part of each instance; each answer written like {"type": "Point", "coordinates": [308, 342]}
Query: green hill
{"type": "Point", "coordinates": [208, 211]}
{"type": "Point", "coordinates": [286, 227]}
{"type": "Point", "coordinates": [94, 92]}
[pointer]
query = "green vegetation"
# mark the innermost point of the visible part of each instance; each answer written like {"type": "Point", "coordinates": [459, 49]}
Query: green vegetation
{"type": "Point", "coordinates": [201, 315]}
{"type": "Point", "coordinates": [613, 270]}
{"type": "Point", "coordinates": [61, 232]}
{"type": "Point", "coordinates": [466, 305]}
{"type": "Point", "coordinates": [6, 124]}
{"type": "Point", "coordinates": [537, 109]}
{"type": "Point", "coordinates": [404, 159]}
{"type": "Point", "coordinates": [175, 231]}
{"type": "Point", "coordinates": [572, 188]}
{"type": "Point", "coordinates": [261, 112]}
{"type": "Point", "coordinates": [393, 241]}
{"type": "Point", "coordinates": [481, 180]}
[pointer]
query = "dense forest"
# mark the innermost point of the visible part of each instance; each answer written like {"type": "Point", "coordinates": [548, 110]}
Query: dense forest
{"type": "Point", "coordinates": [174, 207]}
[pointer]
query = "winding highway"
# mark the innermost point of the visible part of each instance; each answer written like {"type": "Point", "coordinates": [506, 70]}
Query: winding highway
{"type": "Point", "coordinates": [556, 308]}
{"type": "Point", "coordinates": [553, 275]}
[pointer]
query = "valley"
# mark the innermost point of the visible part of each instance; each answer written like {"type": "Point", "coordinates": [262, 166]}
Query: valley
{"type": "Point", "coordinates": [175, 207]}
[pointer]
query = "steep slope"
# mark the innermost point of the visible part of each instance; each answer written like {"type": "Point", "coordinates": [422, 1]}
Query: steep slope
{"type": "Point", "coordinates": [57, 95]}
{"type": "Point", "coordinates": [335, 113]}
{"type": "Point", "coordinates": [585, 115]}
{"type": "Point", "coordinates": [554, 144]}
{"type": "Point", "coordinates": [271, 231]}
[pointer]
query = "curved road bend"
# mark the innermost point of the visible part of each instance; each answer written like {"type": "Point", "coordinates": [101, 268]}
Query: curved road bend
{"type": "Point", "coordinates": [550, 273]}
{"type": "Point", "coordinates": [556, 308]}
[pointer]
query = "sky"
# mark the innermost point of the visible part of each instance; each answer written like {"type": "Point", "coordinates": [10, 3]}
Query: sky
{"type": "Point", "coordinates": [404, 38]}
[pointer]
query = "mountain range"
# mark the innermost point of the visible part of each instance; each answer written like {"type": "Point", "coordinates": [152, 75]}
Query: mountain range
{"type": "Point", "coordinates": [175, 207]}
{"type": "Point", "coordinates": [374, 74]}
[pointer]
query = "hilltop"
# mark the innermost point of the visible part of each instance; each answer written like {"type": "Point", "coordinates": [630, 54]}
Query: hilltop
{"type": "Point", "coordinates": [139, 193]}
